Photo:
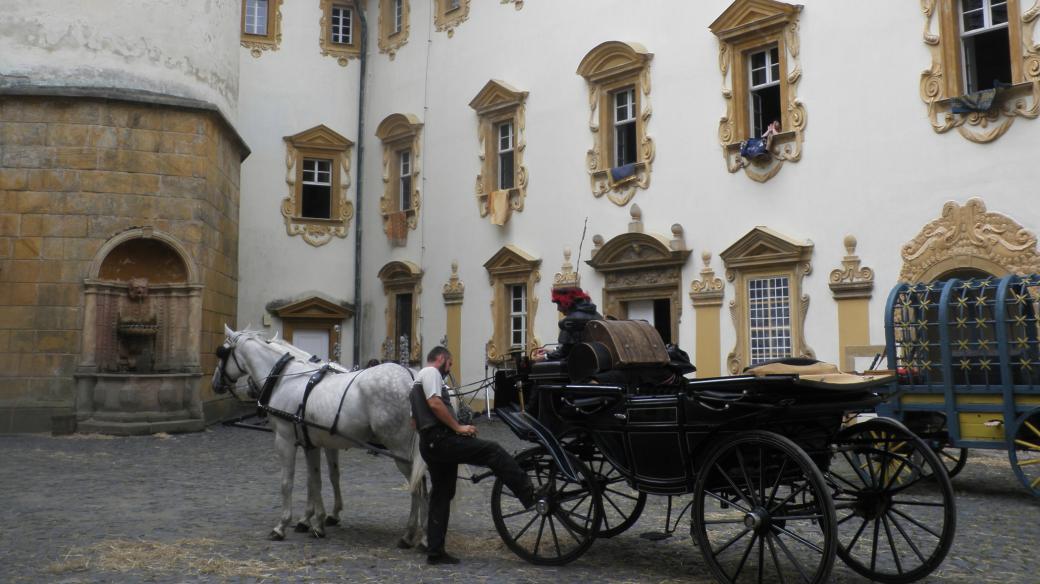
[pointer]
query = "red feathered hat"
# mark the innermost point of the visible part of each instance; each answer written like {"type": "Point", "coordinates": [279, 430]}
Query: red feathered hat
{"type": "Point", "coordinates": [565, 298]}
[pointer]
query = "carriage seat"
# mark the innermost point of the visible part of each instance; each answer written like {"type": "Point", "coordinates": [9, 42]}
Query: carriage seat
{"type": "Point", "coordinates": [818, 373]}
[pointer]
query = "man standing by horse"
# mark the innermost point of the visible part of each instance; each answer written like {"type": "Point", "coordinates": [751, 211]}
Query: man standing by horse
{"type": "Point", "coordinates": [445, 443]}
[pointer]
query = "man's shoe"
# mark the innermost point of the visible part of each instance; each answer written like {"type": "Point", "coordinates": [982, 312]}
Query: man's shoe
{"type": "Point", "coordinates": [441, 558]}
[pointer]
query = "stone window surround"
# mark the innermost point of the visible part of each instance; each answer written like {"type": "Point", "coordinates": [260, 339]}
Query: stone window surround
{"type": "Point", "coordinates": [447, 19]}
{"type": "Point", "coordinates": [322, 143]}
{"type": "Point", "coordinates": [611, 66]}
{"type": "Point", "coordinates": [269, 42]}
{"type": "Point", "coordinates": [745, 27]}
{"type": "Point", "coordinates": [314, 312]}
{"type": "Point", "coordinates": [400, 132]}
{"type": "Point", "coordinates": [943, 80]}
{"type": "Point", "coordinates": [390, 41]}
{"type": "Point", "coordinates": [763, 252]}
{"type": "Point", "coordinates": [342, 52]}
{"type": "Point", "coordinates": [496, 103]}
{"type": "Point", "coordinates": [402, 277]}
{"type": "Point", "coordinates": [511, 265]}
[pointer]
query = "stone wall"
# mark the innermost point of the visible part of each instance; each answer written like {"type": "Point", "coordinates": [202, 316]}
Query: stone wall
{"type": "Point", "coordinates": [74, 172]}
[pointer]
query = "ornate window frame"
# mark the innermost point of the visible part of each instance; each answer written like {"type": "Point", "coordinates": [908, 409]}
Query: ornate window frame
{"type": "Point", "coordinates": [258, 43]}
{"type": "Point", "coordinates": [390, 41]}
{"type": "Point", "coordinates": [745, 27]}
{"type": "Point", "coordinates": [447, 19]}
{"type": "Point", "coordinates": [402, 277]}
{"type": "Point", "coordinates": [511, 265]}
{"type": "Point", "coordinates": [609, 67]}
{"type": "Point", "coordinates": [641, 266]}
{"type": "Point", "coordinates": [969, 236]}
{"type": "Point", "coordinates": [315, 312]}
{"type": "Point", "coordinates": [499, 102]}
{"type": "Point", "coordinates": [342, 52]}
{"type": "Point", "coordinates": [943, 81]}
{"type": "Point", "coordinates": [763, 252]}
{"type": "Point", "coordinates": [399, 132]}
{"type": "Point", "coordinates": [318, 142]}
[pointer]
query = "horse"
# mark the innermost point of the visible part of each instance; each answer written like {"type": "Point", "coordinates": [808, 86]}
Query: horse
{"type": "Point", "coordinates": [361, 406]}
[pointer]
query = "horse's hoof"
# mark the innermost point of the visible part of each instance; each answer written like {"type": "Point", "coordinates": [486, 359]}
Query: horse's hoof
{"type": "Point", "coordinates": [275, 536]}
{"type": "Point", "coordinates": [330, 521]}
{"type": "Point", "coordinates": [317, 534]}
{"type": "Point", "coordinates": [302, 527]}
{"type": "Point", "coordinates": [403, 544]}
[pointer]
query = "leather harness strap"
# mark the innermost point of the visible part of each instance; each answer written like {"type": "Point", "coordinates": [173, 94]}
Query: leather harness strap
{"type": "Point", "coordinates": [301, 412]}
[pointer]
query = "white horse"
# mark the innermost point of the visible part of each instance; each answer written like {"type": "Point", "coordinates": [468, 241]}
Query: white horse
{"type": "Point", "coordinates": [361, 406]}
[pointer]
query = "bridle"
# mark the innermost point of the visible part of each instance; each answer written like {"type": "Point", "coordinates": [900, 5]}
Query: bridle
{"type": "Point", "coordinates": [223, 353]}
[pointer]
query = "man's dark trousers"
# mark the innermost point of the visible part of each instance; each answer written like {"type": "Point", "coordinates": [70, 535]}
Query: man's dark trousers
{"type": "Point", "coordinates": [443, 451]}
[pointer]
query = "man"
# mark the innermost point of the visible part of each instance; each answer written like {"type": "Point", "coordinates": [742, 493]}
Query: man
{"type": "Point", "coordinates": [578, 310]}
{"type": "Point", "coordinates": [444, 443]}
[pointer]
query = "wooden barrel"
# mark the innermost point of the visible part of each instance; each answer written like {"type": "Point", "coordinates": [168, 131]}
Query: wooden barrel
{"type": "Point", "coordinates": [630, 342]}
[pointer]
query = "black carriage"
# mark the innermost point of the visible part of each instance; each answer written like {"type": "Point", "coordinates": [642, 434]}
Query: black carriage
{"type": "Point", "coordinates": [781, 484]}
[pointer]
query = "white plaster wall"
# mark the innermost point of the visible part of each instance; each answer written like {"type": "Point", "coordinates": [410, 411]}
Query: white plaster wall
{"type": "Point", "coordinates": [164, 46]}
{"type": "Point", "coordinates": [872, 165]}
{"type": "Point", "coordinates": [283, 93]}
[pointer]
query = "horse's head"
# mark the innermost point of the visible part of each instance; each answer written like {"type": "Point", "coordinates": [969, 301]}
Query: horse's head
{"type": "Point", "coordinates": [230, 369]}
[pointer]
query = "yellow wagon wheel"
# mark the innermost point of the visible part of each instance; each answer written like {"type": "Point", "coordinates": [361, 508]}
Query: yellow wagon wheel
{"type": "Point", "coordinates": [1024, 452]}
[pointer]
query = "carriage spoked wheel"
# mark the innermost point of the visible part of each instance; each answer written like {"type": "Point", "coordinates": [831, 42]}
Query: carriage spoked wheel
{"type": "Point", "coordinates": [896, 513]}
{"type": "Point", "coordinates": [953, 458]}
{"type": "Point", "coordinates": [562, 525]}
{"type": "Point", "coordinates": [762, 512]}
{"type": "Point", "coordinates": [622, 504]}
{"type": "Point", "coordinates": [1025, 452]}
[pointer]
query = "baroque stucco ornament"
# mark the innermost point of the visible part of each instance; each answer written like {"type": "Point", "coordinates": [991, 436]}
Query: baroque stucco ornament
{"type": "Point", "coordinates": [454, 289]}
{"type": "Point", "coordinates": [566, 277]}
{"type": "Point", "coordinates": [446, 20]}
{"type": "Point", "coordinates": [851, 280]}
{"type": "Point", "coordinates": [708, 290]}
{"type": "Point", "coordinates": [745, 26]}
{"type": "Point", "coordinates": [942, 81]}
{"type": "Point", "coordinates": [402, 277]}
{"type": "Point", "coordinates": [969, 236]}
{"type": "Point", "coordinates": [499, 102]}
{"type": "Point", "coordinates": [318, 141]}
{"type": "Point", "coordinates": [257, 44]}
{"type": "Point", "coordinates": [511, 265]}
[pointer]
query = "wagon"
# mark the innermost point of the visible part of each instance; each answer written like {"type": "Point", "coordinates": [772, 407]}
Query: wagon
{"type": "Point", "coordinates": [968, 361]}
{"type": "Point", "coordinates": [780, 486]}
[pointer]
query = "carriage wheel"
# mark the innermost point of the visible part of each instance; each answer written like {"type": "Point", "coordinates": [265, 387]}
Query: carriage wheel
{"type": "Point", "coordinates": [1025, 452]}
{"type": "Point", "coordinates": [562, 525]}
{"type": "Point", "coordinates": [896, 514]}
{"type": "Point", "coordinates": [952, 458]}
{"type": "Point", "coordinates": [762, 512]}
{"type": "Point", "coordinates": [622, 504]}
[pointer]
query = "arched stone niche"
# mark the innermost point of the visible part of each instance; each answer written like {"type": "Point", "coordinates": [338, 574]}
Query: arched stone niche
{"type": "Point", "coordinates": [139, 370]}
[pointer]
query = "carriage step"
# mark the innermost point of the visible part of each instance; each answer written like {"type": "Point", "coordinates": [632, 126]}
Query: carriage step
{"type": "Point", "coordinates": [655, 535]}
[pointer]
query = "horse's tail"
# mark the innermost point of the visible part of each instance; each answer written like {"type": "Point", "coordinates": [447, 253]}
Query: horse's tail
{"type": "Point", "coordinates": [415, 480]}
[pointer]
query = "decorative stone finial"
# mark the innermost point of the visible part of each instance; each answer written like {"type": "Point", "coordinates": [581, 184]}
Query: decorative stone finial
{"type": "Point", "coordinates": [708, 290]}
{"type": "Point", "coordinates": [851, 280]}
{"type": "Point", "coordinates": [636, 225]}
{"type": "Point", "coordinates": [566, 277]}
{"type": "Point", "coordinates": [677, 243]}
{"type": "Point", "coordinates": [706, 258]}
{"type": "Point", "coordinates": [597, 244]}
{"type": "Point", "coordinates": [454, 289]}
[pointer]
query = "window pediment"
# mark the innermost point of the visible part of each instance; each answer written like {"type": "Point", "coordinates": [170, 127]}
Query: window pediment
{"type": "Point", "coordinates": [613, 58]}
{"type": "Point", "coordinates": [642, 250]}
{"type": "Point", "coordinates": [400, 273]}
{"type": "Point", "coordinates": [751, 16]}
{"type": "Point", "coordinates": [400, 133]}
{"type": "Point", "coordinates": [509, 260]}
{"type": "Point", "coordinates": [764, 246]}
{"type": "Point", "coordinates": [398, 126]}
{"type": "Point", "coordinates": [497, 95]}
{"type": "Point", "coordinates": [509, 268]}
{"type": "Point", "coordinates": [321, 137]}
{"type": "Point", "coordinates": [324, 144]}
{"type": "Point", "coordinates": [314, 307]}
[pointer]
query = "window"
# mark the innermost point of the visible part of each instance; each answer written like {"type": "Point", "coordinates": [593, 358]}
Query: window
{"type": "Point", "coordinates": [337, 31]}
{"type": "Point", "coordinates": [761, 70]}
{"type": "Point", "coordinates": [261, 25]}
{"type": "Point", "coordinates": [404, 179]}
{"type": "Point", "coordinates": [625, 127]}
{"type": "Point", "coordinates": [399, 205]}
{"type": "Point", "coordinates": [770, 305]}
{"type": "Point", "coordinates": [764, 87]}
{"type": "Point", "coordinates": [505, 156]}
{"type": "Point", "coordinates": [393, 25]}
{"type": "Point", "coordinates": [318, 176]}
{"type": "Point", "coordinates": [976, 44]}
{"type": "Point", "coordinates": [402, 282]}
{"type": "Point", "coordinates": [315, 324]}
{"type": "Point", "coordinates": [513, 274]}
{"type": "Point", "coordinates": [518, 316]}
{"type": "Point", "coordinates": [449, 14]}
{"type": "Point", "coordinates": [985, 42]}
{"type": "Point", "coordinates": [769, 318]}
{"type": "Point", "coordinates": [316, 195]}
{"type": "Point", "coordinates": [618, 77]}
{"type": "Point", "coordinates": [256, 17]}
{"type": "Point", "coordinates": [501, 185]}
{"type": "Point", "coordinates": [342, 25]}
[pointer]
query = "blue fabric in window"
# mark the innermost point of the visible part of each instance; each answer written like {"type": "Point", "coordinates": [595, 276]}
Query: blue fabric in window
{"type": "Point", "coordinates": [980, 101]}
{"type": "Point", "coordinates": [755, 148]}
{"type": "Point", "coordinates": [622, 172]}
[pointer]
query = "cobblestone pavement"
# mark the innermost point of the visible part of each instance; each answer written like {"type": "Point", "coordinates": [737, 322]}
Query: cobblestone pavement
{"type": "Point", "coordinates": [198, 507]}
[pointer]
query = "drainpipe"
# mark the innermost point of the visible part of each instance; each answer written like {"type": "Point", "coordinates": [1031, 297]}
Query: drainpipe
{"type": "Point", "coordinates": [358, 308]}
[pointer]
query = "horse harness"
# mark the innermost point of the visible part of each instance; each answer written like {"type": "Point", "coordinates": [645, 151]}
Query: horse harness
{"type": "Point", "coordinates": [299, 419]}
